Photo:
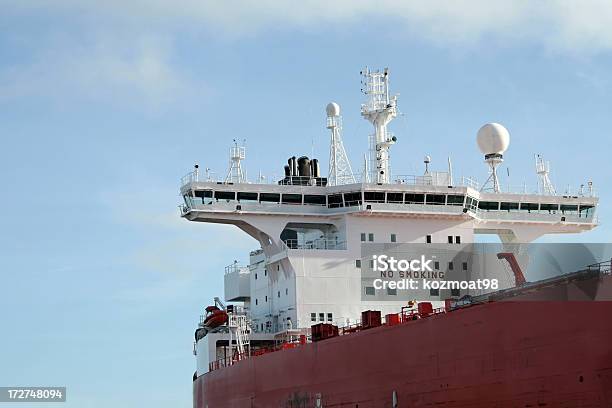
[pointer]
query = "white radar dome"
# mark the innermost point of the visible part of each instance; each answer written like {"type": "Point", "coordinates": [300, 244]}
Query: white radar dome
{"type": "Point", "coordinates": [333, 109]}
{"type": "Point", "coordinates": [493, 138]}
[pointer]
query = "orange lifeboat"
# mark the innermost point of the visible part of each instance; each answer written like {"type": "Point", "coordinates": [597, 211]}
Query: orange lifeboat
{"type": "Point", "coordinates": [215, 317]}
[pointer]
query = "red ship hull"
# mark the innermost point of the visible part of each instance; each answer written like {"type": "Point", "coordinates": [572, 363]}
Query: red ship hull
{"type": "Point", "coordinates": [498, 354]}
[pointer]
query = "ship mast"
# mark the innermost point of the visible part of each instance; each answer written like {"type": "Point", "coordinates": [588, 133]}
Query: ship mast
{"type": "Point", "coordinates": [340, 171]}
{"type": "Point", "coordinates": [380, 109]}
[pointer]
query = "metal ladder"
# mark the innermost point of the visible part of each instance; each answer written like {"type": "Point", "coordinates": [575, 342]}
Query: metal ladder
{"type": "Point", "coordinates": [238, 331]}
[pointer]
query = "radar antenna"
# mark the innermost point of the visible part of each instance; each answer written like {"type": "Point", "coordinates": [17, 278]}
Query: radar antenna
{"type": "Point", "coordinates": [235, 174]}
{"type": "Point", "coordinates": [380, 109]}
{"type": "Point", "coordinates": [493, 140]}
{"type": "Point", "coordinates": [545, 186]}
{"type": "Point", "coordinates": [340, 171]}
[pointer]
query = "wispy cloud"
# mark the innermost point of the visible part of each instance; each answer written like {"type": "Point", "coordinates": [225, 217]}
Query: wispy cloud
{"type": "Point", "coordinates": [139, 70]}
{"type": "Point", "coordinates": [562, 25]}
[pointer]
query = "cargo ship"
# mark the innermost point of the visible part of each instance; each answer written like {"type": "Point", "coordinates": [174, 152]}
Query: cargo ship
{"type": "Point", "coordinates": [302, 325]}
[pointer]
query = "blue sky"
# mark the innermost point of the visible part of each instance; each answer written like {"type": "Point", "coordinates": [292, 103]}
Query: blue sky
{"type": "Point", "coordinates": [104, 106]}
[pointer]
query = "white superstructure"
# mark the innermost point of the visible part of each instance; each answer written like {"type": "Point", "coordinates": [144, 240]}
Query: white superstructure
{"type": "Point", "coordinates": [307, 269]}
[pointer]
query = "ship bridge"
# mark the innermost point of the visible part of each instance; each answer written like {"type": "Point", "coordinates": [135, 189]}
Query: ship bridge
{"type": "Point", "coordinates": [311, 229]}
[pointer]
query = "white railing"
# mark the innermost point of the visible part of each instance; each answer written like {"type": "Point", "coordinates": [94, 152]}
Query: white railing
{"type": "Point", "coordinates": [235, 267]}
{"type": "Point", "coordinates": [320, 243]}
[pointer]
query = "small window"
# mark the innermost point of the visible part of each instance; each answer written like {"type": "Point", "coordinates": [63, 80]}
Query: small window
{"type": "Point", "coordinates": [370, 291]}
{"type": "Point", "coordinates": [529, 207]}
{"type": "Point", "coordinates": [315, 200]}
{"type": "Point", "coordinates": [435, 199]}
{"type": "Point", "coordinates": [265, 272]}
{"type": "Point", "coordinates": [242, 196]}
{"type": "Point", "coordinates": [586, 210]}
{"type": "Point", "coordinates": [266, 298]}
{"type": "Point", "coordinates": [269, 197]}
{"type": "Point", "coordinates": [450, 239]}
{"type": "Point", "coordinates": [434, 292]}
{"type": "Point", "coordinates": [256, 301]}
{"type": "Point", "coordinates": [395, 198]}
{"type": "Point", "coordinates": [278, 267]}
{"type": "Point", "coordinates": [455, 292]}
{"type": "Point", "coordinates": [225, 195]}
{"type": "Point", "coordinates": [255, 275]}
{"type": "Point", "coordinates": [393, 238]}
{"type": "Point", "coordinates": [292, 199]}
{"type": "Point", "coordinates": [428, 239]}
{"type": "Point", "coordinates": [410, 198]}
{"type": "Point", "coordinates": [371, 237]}
{"type": "Point", "coordinates": [371, 263]}
{"type": "Point", "coordinates": [313, 317]}
{"type": "Point", "coordinates": [335, 201]}
{"type": "Point", "coordinates": [457, 239]}
{"type": "Point", "coordinates": [488, 205]}
{"type": "Point", "coordinates": [357, 263]}
{"type": "Point", "coordinates": [569, 209]}
{"type": "Point", "coordinates": [321, 317]}
{"type": "Point", "coordinates": [451, 266]}
{"type": "Point", "coordinates": [330, 317]}
{"type": "Point", "coordinates": [391, 292]}
{"type": "Point", "coordinates": [363, 237]}
{"type": "Point", "coordinates": [374, 196]}
{"type": "Point", "coordinates": [352, 199]}
{"type": "Point", "coordinates": [551, 208]}
{"type": "Point", "coordinates": [455, 199]}
{"type": "Point", "coordinates": [509, 206]}
{"type": "Point", "coordinates": [278, 293]}
{"type": "Point", "coordinates": [286, 292]}
{"type": "Point", "coordinates": [464, 266]}
{"type": "Point", "coordinates": [436, 265]}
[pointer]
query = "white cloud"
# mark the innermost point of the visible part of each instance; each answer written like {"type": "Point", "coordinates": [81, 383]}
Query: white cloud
{"type": "Point", "coordinates": [564, 25]}
{"type": "Point", "coordinates": [137, 70]}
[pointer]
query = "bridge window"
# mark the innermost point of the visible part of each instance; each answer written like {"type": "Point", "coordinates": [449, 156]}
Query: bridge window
{"type": "Point", "coordinates": [434, 292]}
{"type": "Point", "coordinates": [225, 195]}
{"type": "Point", "coordinates": [204, 193]}
{"type": "Point", "coordinates": [455, 199]}
{"type": "Point", "coordinates": [247, 196]}
{"type": "Point", "coordinates": [269, 197]}
{"type": "Point", "coordinates": [315, 199]}
{"type": "Point", "coordinates": [551, 208]}
{"type": "Point", "coordinates": [395, 198]}
{"type": "Point", "coordinates": [352, 199]}
{"type": "Point", "coordinates": [292, 199]}
{"type": "Point", "coordinates": [370, 291]}
{"type": "Point", "coordinates": [471, 203]}
{"type": "Point", "coordinates": [321, 317]}
{"type": "Point", "coordinates": [529, 207]}
{"type": "Point", "coordinates": [586, 210]}
{"type": "Point", "coordinates": [313, 317]}
{"type": "Point", "coordinates": [335, 201]}
{"type": "Point", "coordinates": [455, 292]}
{"type": "Point", "coordinates": [435, 199]}
{"type": "Point", "coordinates": [414, 198]}
{"type": "Point", "coordinates": [509, 207]}
{"type": "Point", "coordinates": [488, 205]}
{"type": "Point", "coordinates": [374, 196]}
{"type": "Point", "coordinates": [330, 317]}
{"type": "Point", "coordinates": [569, 209]}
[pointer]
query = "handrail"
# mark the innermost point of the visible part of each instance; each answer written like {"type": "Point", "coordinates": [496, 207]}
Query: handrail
{"type": "Point", "coordinates": [404, 317]}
